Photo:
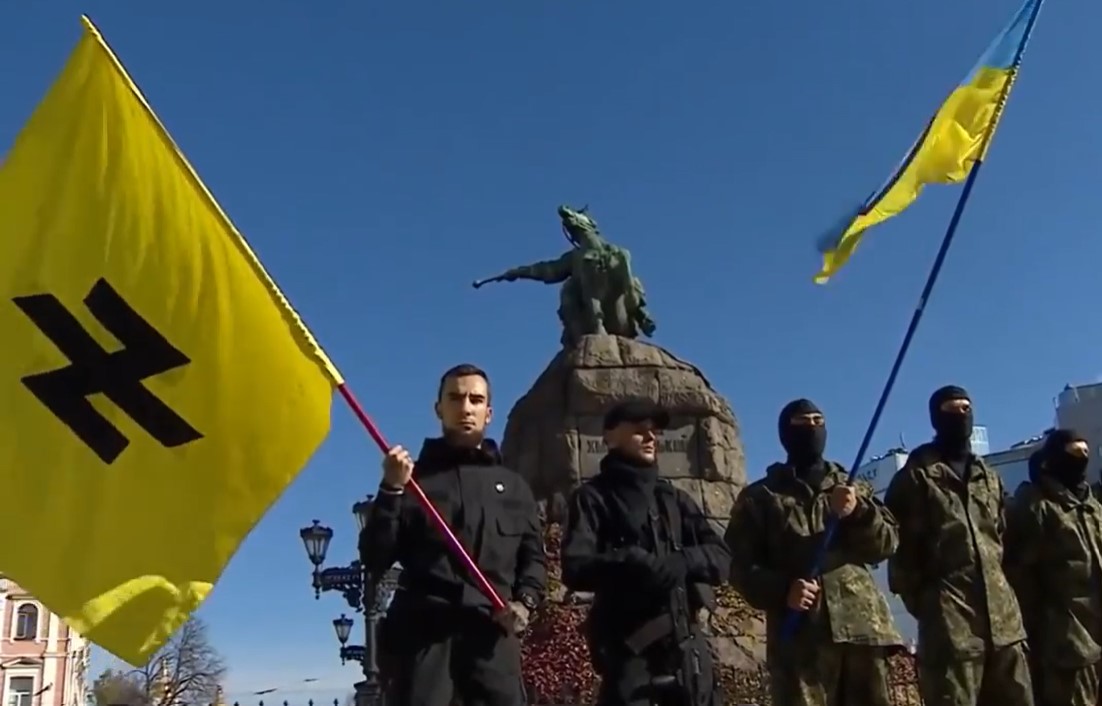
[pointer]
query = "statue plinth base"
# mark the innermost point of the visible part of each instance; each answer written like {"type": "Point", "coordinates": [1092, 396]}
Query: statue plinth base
{"type": "Point", "coordinates": [553, 436]}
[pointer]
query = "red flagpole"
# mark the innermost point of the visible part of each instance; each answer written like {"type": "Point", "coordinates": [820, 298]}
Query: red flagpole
{"type": "Point", "coordinates": [422, 499]}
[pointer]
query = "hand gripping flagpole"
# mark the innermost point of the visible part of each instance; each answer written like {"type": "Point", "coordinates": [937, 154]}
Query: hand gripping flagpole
{"type": "Point", "coordinates": [792, 619]}
{"type": "Point", "coordinates": [434, 515]}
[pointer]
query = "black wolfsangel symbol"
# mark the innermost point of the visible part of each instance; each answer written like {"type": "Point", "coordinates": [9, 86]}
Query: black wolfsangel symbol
{"type": "Point", "coordinates": [117, 375]}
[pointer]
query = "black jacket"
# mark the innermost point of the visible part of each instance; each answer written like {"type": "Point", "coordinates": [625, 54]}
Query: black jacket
{"type": "Point", "coordinates": [490, 509]}
{"type": "Point", "coordinates": [605, 517]}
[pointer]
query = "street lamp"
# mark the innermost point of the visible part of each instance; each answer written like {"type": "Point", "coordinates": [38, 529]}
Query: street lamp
{"type": "Point", "coordinates": [343, 626]}
{"type": "Point", "coordinates": [363, 593]}
{"type": "Point", "coordinates": [316, 539]}
{"type": "Point", "coordinates": [349, 653]}
{"type": "Point", "coordinates": [348, 580]}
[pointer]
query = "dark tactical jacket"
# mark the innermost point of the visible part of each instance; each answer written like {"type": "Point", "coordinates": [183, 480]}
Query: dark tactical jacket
{"type": "Point", "coordinates": [775, 531]}
{"type": "Point", "coordinates": [1054, 562]}
{"type": "Point", "coordinates": [599, 530]}
{"type": "Point", "coordinates": [491, 510]}
{"type": "Point", "coordinates": [948, 568]}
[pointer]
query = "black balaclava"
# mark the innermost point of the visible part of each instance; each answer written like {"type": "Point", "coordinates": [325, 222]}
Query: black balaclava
{"type": "Point", "coordinates": [1069, 469]}
{"type": "Point", "coordinates": [632, 481]}
{"type": "Point", "coordinates": [953, 429]}
{"type": "Point", "coordinates": [803, 442]}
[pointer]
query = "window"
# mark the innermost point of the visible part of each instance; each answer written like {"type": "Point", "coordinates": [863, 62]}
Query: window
{"type": "Point", "coordinates": [20, 691]}
{"type": "Point", "coordinates": [26, 622]}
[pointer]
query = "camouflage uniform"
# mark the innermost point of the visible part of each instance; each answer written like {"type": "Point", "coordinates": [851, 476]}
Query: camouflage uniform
{"type": "Point", "coordinates": [948, 572]}
{"type": "Point", "coordinates": [838, 654]}
{"type": "Point", "coordinates": [1054, 561]}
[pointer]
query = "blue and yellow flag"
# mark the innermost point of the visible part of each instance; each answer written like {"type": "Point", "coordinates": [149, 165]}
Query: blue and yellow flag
{"type": "Point", "coordinates": [954, 141]}
{"type": "Point", "coordinates": [157, 391]}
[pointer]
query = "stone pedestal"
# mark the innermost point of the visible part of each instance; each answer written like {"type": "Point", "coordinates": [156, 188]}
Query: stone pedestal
{"type": "Point", "coordinates": [553, 434]}
{"type": "Point", "coordinates": [553, 437]}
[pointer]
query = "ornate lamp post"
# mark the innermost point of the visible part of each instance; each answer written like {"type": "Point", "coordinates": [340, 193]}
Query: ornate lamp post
{"type": "Point", "coordinates": [360, 593]}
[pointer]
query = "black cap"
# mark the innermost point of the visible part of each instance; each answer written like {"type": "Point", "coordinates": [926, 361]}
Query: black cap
{"type": "Point", "coordinates": [637, 410]}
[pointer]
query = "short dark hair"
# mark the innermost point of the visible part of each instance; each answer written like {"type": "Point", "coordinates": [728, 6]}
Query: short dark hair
{"type": "Point", "coordinates": [461, 371]}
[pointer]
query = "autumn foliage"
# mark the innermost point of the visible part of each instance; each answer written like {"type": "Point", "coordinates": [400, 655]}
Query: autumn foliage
{"type": "Point", "coordinates": [556, 659]}
{"type": "Point", "coordinates": [557, 669]}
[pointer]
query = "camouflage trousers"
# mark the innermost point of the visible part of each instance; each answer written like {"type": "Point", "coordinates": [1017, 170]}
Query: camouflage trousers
{"type": "Point", "coordinates": [831, 675]}
{"type": "Point", "coordinates": [999, 678]}
{"type": "Point", "coordinates": [1067, 687]}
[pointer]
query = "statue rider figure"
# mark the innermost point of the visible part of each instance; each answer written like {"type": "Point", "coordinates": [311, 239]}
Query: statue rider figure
{"type": "Point", "coordinates": [599, 294]}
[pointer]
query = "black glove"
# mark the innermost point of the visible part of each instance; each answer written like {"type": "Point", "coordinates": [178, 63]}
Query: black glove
{"type": "Point", "coordinates": [657, 574]}
{"type": "Point", "coordinates": [669, 571]}
{"type": "Point", "coordinates": [635, 560]}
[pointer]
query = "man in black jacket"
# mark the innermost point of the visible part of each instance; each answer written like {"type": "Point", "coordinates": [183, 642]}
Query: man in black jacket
{"type": "Point", "coordinates": [441, 640]}
{"type": "Point", "coordinates": [644, 549]}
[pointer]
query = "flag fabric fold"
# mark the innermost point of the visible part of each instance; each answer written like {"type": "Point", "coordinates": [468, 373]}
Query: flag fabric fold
{"type": "Point", "coordinates": [157, 391]}
{"type": "Point", "coordinates": [954, 140]}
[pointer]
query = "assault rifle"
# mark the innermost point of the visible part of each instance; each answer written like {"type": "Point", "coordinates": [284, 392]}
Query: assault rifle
{"type": "Point", "coordinates": [682, 686]}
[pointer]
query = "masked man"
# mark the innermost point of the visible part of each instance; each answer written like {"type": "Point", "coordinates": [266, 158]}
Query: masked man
{"type": "Point", "coordinates": [1053, 561]}
{"type": "Point", "coordinates": [838, 655]}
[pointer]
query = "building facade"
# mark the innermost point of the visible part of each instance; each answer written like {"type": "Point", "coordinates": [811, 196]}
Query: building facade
{"type": "Point", "coordinates": [1012, 465]}
{"type": "Point", "coordinates": [1079, 407]}
{"type": "Point", "coordinates": [42, 661]}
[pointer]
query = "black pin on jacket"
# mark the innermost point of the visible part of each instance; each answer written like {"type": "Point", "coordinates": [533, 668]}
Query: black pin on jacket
{"type": "Point", "coordinates": [490, 508]}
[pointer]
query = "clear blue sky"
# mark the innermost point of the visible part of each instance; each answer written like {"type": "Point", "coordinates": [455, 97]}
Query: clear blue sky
{"type": "Point", "coordinates": [381, 155]}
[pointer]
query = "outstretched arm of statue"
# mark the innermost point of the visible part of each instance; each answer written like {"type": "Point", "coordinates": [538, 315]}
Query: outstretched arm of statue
{"type": "Point", "coordinates": [547, 272]}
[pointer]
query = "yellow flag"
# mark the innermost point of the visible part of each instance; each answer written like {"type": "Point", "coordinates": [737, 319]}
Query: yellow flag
{"type": "Point", "coordinates": [157, 392]}
{"type": "Point", "coordinates": [955, 140]}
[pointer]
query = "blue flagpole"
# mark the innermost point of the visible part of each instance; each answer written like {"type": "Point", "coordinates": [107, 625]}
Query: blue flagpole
{"type": "Point", "coordinates": [792, 620]}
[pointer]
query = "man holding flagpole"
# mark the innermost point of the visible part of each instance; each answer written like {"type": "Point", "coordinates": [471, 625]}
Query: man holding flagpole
{"type": "Point", "coordinates": [442, 638]}
{"type": "Point", "coordinates": [946, 569]}
{"type": "Point", "coordinates": [838, 657]}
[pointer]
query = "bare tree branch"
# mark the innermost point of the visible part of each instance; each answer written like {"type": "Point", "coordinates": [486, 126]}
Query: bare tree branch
{"type": "Point", "coordinates": [187, 671]}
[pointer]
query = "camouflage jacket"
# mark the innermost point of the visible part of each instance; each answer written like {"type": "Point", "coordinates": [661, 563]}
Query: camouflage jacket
{"type": "Point", "coordinates": [948, 568]}
{"type": "Point", "coordinates": [1054, 561]}
{"type": "Point", "coordinates": [775, 531]}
